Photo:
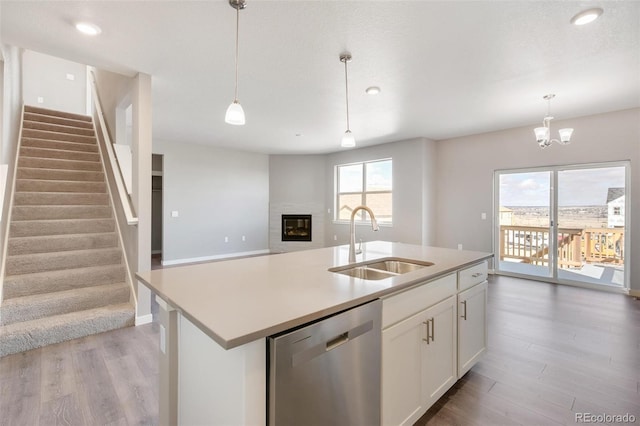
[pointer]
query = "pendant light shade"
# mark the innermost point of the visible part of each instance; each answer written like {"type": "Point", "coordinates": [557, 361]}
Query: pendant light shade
{"type": "Point", "coordinates": [348, 140]}
{"type": "Point", "coordinates": [235, 113]}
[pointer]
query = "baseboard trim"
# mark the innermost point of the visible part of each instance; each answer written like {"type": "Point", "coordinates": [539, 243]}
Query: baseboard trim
{"type": "Point", "coordinates": [215, 257]}
{"type": "Point", "coordinates": [144, 319]}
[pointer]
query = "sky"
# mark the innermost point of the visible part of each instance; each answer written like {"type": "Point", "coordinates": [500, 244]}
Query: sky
{"type": "Point", "coordinates": [580, 187]}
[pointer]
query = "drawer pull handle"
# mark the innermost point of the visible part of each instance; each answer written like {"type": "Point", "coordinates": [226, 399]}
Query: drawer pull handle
{"type": "Point", "coordinates": [464, 315]}
{"type": "Point", "coordinates": [426, 339]}
{"type": "Point", "coordinates": [476, 275]}
{"type": "Point", "coordinates": [433, 330]}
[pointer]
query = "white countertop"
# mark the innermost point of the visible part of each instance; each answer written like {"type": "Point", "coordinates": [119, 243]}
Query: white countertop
{"type": "Point", "coordinates": [238, 301]}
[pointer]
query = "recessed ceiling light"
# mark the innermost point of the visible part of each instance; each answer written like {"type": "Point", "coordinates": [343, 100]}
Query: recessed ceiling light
{"type": "Point", "coordinates": [586, 16]}
{"type": "Point", "coordinates": [373, 90]}
{"type": "Point", "coordinates": [88, 28]}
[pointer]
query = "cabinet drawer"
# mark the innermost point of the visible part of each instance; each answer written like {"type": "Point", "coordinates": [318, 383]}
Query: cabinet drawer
{"type": "Point", "coordinates": [403, 305]}
{"type": "Point", "coordinates": [471, 276]}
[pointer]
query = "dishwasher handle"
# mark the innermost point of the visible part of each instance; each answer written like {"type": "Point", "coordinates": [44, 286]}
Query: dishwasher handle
{"type": "Point", "coordinates": [331, 344]}
{"type": "Point", "coordinates": [337, 341]}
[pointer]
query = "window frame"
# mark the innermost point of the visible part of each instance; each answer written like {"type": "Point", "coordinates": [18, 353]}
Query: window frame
{"type": "Point", "coordinates": [360, 218]}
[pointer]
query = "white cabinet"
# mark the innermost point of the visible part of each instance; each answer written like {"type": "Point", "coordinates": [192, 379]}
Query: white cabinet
{"type": "Point", "coordinates": [432, 334]}
{"type": "Point", "coordinates": [472, 326]}
{"type": "Point", "coordinates": [419, 354]}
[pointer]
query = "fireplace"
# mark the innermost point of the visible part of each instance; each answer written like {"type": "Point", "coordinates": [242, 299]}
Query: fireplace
{"type": "Point", "coordinates": [296, 227]}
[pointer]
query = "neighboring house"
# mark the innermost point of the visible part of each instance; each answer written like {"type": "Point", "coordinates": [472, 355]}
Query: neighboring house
{"type": "Point", "coordinates": [615, 207]}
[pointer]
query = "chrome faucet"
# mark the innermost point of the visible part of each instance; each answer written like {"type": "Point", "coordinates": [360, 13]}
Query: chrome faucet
{"type": "Point", "coordinates": [352, 231]}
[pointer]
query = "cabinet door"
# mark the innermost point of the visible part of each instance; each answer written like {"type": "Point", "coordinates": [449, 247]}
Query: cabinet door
{"type": "Point", "coordinates": [418, 362]}
{"type": "Point", "coordinates": [440, 355]}
{"type": "Point", "coordinates": [402, 364]}
{"type": "Point", "coordinates": [472, 326]}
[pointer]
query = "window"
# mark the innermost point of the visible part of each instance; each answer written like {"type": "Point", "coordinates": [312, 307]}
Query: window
{"type": "Point", "coordinates": [617, 211]}
{"type": "Point", "coordinates": [369, 184]}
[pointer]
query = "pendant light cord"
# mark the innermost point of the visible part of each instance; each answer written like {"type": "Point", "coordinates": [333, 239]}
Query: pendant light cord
{"type": "Point", "coordinates": [346, 83]}
{"type": "Point", "coordinates": [237, 47]}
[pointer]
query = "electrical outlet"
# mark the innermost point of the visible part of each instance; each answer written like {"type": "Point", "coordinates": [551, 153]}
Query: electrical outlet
{"type": "Point", "coordinates": [335, 238]}
{"type": "Point", "coordinates": [71, 77]}
{"type": "Point", "coordinates": [244, 238]}
{"type": "Point", "coordinates": [40, 100]}
{"type": "Point", "coordinates": [174, 213]}
{"type": "Point", "coordinates": [483, 216]}
{"type": "Point", "coordinates": [226, 239]}
{"type": "Point", "coordinates": [459, 246]}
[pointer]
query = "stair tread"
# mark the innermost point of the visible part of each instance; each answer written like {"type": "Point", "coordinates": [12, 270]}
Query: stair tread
{"type": "Point", "coordinates": [55, 113]}
{"type": "Point", "coordinates": [64, 252]}
{"type": "Point", "coordinates": [64, 294]}
{"type": "Point", "coordinates": [46, 118]}
{"type": "Point", "coordinates": [23, 336]}
{"type": "Point", "coordinates": [62, 236]}
{"type": "Point", "coordinates": [120, 307]}
{"type": "Point", "coordinates": [62, 127]}
{"type": "Point", "coordinates": [62, 272]}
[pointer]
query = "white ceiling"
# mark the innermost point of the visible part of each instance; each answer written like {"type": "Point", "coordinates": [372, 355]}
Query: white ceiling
{"type": "Point", "coordinates": [446, 68]}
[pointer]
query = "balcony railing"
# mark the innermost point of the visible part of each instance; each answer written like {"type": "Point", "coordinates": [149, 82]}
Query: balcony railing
{"type": "Point", "coordinates": [576, 246]}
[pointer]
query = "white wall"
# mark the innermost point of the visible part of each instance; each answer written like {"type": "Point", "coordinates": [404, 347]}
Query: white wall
{"type": "Point", "coordinates": [11, 112]}
{"type": "Point", "coordinates": [217, 193]}
{"type": "Point", "coordinates": [46, 76]}
{"type": "Point", "coordinates": [465, 169]}
{"type": "Point", "coordinates": [297, 185]}
{"type": "Point", "coordinates": [413, 186]}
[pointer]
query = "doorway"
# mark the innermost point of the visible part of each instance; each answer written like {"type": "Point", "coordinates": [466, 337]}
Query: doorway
{"type": "Point", "coordinates": [564, 224]}
{"type": "Point", "coordinates": [156, 209]}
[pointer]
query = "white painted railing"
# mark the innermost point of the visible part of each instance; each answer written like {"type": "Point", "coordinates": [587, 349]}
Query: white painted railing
{"type": "Point", "coordinates": [121, 188]}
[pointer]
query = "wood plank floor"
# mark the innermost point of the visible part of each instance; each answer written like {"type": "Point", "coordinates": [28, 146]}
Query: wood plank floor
{"type": "Point", "coordinates": [554, 351]}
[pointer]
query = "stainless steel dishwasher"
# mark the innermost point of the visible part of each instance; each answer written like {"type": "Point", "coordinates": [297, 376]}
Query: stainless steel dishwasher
{"type": "Point", "coordinates": [328, 372]}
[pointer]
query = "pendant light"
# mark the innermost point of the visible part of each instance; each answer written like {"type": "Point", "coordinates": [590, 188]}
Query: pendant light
{"type": "Point", "coordinates": [348, 140]}
{"type": "Point", "coordinates": [235, 113]}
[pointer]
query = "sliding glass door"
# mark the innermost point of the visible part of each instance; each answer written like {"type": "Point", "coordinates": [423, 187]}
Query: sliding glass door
{"type": "Point", "coordinates": [564, 224]}
{"type": "Point", "coordinates": [525, 223]}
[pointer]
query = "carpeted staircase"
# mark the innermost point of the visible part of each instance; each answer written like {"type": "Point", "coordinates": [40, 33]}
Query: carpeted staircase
{"type": "Point", "coordinates": [64, 272]}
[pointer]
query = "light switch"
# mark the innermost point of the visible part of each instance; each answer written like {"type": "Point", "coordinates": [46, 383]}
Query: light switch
{"type": "Point", "coordinates": [483, 216]}
{"type": "Point", "coordinates": [71, 77]}
{"type": "Point", "coordinates": [40, 100]}
{"type": "Point", "coordinates": [174, 213]}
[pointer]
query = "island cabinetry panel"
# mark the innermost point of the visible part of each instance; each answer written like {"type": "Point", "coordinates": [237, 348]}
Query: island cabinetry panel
{"type": "Point", "coordinates": [472, 326]}
{"type": "Point", "coordinates": [419, 351]}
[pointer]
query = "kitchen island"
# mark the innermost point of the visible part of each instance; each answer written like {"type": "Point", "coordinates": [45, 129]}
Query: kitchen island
{"type": "Point", "coordinates": [215, 317]}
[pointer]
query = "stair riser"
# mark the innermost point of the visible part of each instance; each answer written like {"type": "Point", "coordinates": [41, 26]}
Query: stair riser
{"type": "Point", "coordinates": [54, 113]}
{"type": "Point", "coordinates": [60, 212]}
{"type": "Point", "coordinates": [58, 329]}
{"type": "Point", "coordinates": [51, 174]}
{"type": "Point", "coordinates": [57, 199]}
{"type": "Point", "coordinates": [32, 245]}
{"type": "Point", "coordinates": [63, 155]}
{"type": "Point", "coordinates": [49, 127]}
{"type": "Point", "coordinates": [52, 163]}
{"type": "Point", "coordinates": [18, 265]}
{"type": "Point", "coordinates": [66, 146]}
{"type": "Point", "coordinates": [39, 185]}
{"type": "Point", "coordinates": [61, 227]}
{"type": "Point", "coordinates": [26, 285]}
{"type": "Point", "coordinates": [54, 305]}
{"type": "Point", "coordinates": [43, 134]}
{"type": "Point", "coordinates": [57, 120]}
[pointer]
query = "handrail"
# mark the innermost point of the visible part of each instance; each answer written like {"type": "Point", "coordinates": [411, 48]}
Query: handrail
{"type": "Point", "coordinates": [7, 224]}
{"type": "Point", "coordinates": [129, 213]}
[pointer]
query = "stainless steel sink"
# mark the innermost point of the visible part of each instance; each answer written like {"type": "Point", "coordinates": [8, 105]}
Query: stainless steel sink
{"type": "Point", "coordinates": [380, 269]}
